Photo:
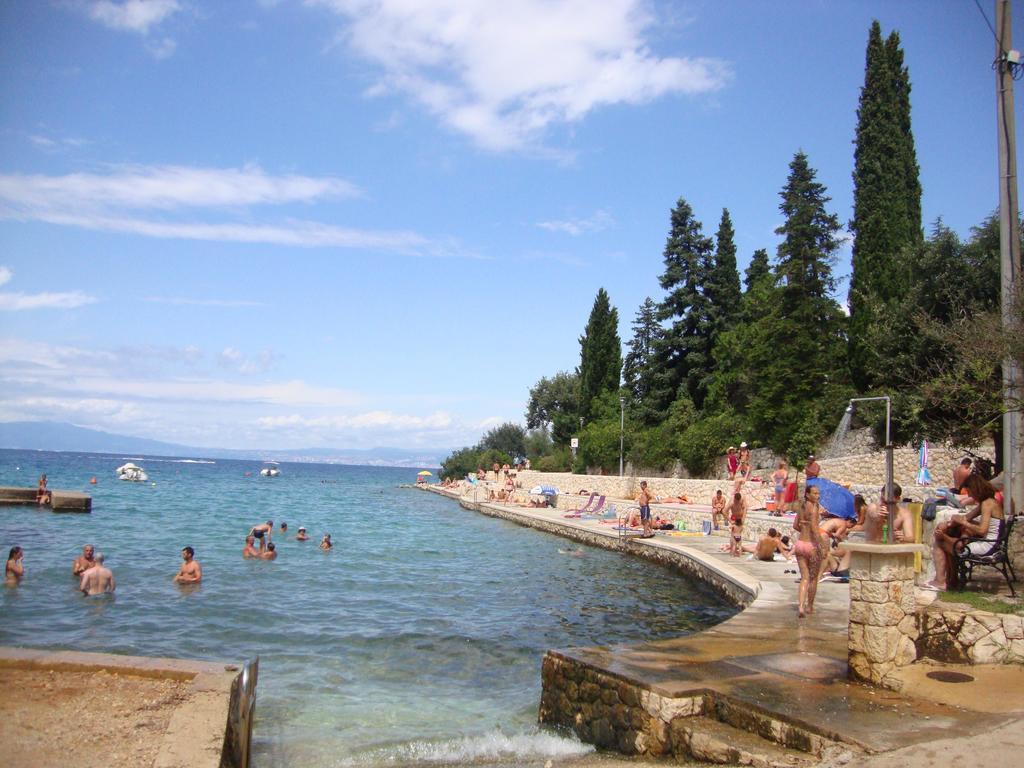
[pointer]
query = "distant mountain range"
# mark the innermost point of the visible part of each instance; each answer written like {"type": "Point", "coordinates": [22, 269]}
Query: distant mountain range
{"type": "Point", "coordinates": [59, 436]}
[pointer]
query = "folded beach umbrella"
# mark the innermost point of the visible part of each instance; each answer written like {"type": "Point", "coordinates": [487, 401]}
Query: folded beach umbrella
{"type": "Point", "coordinates": [836, 499]}
{"type": "Point", "coordinates": [549, 490]}
{"type": "Point", "coordinates": [536, 490]}
{"type": "Point", "coordinates": [924, 477]}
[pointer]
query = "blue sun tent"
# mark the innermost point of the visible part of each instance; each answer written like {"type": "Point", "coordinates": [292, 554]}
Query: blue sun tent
{"type": "Point", "coordinates": [836, 499]}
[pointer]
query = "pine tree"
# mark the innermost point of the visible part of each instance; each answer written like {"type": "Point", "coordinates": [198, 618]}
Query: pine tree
{"type": "Point", "coordinates": [600, 353]}
{"type": "Point", "coordinates": [636, 370]}
{"type": "Point", "coordinates": [799, 345]}
{"type": "Point", "coordinates": [887, 201]}
{"type": "Point", "coordinates": [683, 353]}
{"type": "Point", "coordinates": [757, 270]}
{"type": "Point", "coordinates": [723, 285]}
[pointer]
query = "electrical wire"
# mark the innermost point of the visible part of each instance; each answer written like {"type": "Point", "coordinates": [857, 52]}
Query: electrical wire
{"type": "Point", "coordinates": [991, 28]}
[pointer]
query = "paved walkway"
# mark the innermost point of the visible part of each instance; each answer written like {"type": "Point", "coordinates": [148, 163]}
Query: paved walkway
{"type": "Point", "coordinates": [796, 668]}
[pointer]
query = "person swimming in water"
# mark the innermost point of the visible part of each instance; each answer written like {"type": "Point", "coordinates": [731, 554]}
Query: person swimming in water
{"type": "Point", "coordinates": [326, 543]}
{"type": "Point", "coordinates": [250, 550]}
{"type": "Point", "coordinates": [15, 570]}
{"type": "Point", "coordinates": [97, 580]}
{"type": "Point", "coordinates": [263, 532]}
{"type": "Point", "coordinates": [301, 535]}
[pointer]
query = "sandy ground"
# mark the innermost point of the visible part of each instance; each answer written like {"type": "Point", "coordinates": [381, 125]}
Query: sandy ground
{"type": "Point", "coordinates": [83, 718]}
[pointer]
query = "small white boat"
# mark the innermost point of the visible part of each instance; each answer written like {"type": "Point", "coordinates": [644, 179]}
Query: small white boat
{"type": "Point", "coordinates": [131, 473]}
{"type": "Point", "coordinates": [270, 470]}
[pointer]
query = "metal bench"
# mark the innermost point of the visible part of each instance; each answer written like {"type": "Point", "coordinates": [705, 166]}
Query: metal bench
{"type": "Point", "coordinates": [996, 556]}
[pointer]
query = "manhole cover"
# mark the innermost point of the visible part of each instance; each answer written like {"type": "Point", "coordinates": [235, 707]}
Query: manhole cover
{"type": "Point", "coordinates": [950, 677]}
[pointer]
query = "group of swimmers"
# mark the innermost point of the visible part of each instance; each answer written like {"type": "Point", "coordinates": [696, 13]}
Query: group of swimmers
{"type": "Point", "coordinates": [95, 578]}
{"type": "Point", "coordinates": [267, 550]}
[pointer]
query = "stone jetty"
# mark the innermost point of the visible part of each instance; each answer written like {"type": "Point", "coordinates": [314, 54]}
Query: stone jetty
{"type": "Point", "coordinates": [63, 501]}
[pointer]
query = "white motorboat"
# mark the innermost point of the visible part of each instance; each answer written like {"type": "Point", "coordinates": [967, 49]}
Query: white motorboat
{"type": "Point", "coordinates": [270, 470]}
{"type": "Point", "coordinates": [131, 473]}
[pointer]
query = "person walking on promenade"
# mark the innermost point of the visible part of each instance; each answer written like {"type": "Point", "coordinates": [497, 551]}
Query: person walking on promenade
{"type": "Point", "coordinates": [718, 509]}
{"type": "Point", "coordinates": [732, 462]}
{"type": "Point", "coordinates": [15, 570]}
{"type": "Point", "coordinates": [810, 549]}
{"type": "Point", "coordinates": [97, 580]}
{"type": "Point", "coordinates": [779, 478]}
{"type": "Point", "coordinates": [191, 572]}
{"type": "Point", "coordinates": [644, 500]}
{"type": "Point", "coordinates": [83, 562]}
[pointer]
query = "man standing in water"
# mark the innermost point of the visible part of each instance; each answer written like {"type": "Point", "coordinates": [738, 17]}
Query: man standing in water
{"type": "Point", "coordinates": [98, 579]}
{"type": "Point", "coordinates": [83, 562]}
{"type": "Point", "coordinates": [191, 572]}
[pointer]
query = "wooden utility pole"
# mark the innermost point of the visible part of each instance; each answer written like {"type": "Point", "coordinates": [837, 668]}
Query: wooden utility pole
{"type": "Point", "coordinates": [1007, 60]}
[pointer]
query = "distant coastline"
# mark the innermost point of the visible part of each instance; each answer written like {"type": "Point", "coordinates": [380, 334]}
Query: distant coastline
{"type": "Point", "coordinates": [62, 437]}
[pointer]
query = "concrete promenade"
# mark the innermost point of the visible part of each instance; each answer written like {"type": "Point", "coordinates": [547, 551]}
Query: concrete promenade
{"type": "Point", "coordinates": [788, 674]}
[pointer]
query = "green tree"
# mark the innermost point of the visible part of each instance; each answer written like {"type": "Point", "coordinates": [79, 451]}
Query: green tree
{"type": "Point", "coordinates": [554, 402]}
{"type": "Point", "coordinates": [508, 438]}
{"type": "Point", "coordinates": [799, 347]}
{"type": "Point", "coordinates": [636, 370]}
{"type": "Point", "coordinates": [759, 269]}
{"type": "Point", "coordinates": [600, 354]}
{"type": "Point", "coordinates": [460, 463]}
{"type": "Point", "coordinates": [886, 205]}
{"type": "Point", "coordinates": [723, 284]}
{"type": "Point", "coordinates": [683, 352]}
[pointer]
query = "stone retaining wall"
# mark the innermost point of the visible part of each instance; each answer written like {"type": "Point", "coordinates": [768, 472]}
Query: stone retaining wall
{"type": "Point", "coordinates": [615, 713]}
{"type": "Point", "coordinates": [947, 632]}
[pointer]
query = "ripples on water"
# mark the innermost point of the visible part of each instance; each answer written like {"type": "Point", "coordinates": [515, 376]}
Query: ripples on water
{"type": "Point", "coordinates": [417, 640]}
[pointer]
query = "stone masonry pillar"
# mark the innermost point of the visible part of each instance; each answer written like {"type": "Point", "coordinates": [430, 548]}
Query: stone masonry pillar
{"type": "Point", "coordinates": [882, 610]}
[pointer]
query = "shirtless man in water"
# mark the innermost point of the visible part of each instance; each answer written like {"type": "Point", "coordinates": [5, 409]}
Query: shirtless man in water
{"type": "Point", "coordinates": [191, 572]}
{"type": "Point", "coordinates": [97, 579]}
{"type": "Point", "coordinates": [83, 562]}
{"type": "Point", "coordinates": [250, 550]}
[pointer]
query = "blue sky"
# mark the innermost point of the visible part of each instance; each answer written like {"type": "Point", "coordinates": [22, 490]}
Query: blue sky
{"type": "Point", "coordinates": [345, 223]}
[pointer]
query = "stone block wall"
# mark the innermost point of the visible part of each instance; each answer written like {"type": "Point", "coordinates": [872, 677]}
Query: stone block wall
{"type": "Point", "coordinates": [882, 616]}
{"type": "Point", "coordinates": [951, 634]}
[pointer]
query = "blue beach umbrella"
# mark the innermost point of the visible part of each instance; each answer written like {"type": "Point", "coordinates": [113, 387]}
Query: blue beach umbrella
{"type": "Point", "coordinates": [836, 499]}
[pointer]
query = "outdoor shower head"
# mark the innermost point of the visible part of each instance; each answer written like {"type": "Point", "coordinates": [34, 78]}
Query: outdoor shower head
{"type": "Point", "coordinates": [849, 408]}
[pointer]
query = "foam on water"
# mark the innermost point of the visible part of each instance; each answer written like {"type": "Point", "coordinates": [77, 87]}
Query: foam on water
{"type": "Point", "coordinates": [488, 748]}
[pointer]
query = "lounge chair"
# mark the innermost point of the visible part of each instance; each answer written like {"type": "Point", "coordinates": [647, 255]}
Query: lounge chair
{"type": "Point", "coordinates": [585, 508]}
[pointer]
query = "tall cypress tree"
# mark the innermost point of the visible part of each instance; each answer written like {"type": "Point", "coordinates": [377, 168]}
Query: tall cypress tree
{"type": "Point", "coordinates": [600, 353]}
{"type": "Point", "coordinates": [887, 202]}
{"type": "Point", "coordinates": [683, 352]}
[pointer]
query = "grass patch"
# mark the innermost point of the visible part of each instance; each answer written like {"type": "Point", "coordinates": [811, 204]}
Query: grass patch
{"type": "Point", "coordinates": [984, 602]}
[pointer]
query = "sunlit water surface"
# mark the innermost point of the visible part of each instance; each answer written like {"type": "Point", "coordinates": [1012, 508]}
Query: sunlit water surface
{"type": "Point", "coordinates": [417, 640]}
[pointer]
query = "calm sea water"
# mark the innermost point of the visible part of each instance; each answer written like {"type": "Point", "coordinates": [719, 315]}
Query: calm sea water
{"type": "Point", "coordinates": [417, 640]}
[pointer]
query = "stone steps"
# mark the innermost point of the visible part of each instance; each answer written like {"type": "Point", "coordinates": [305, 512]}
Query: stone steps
{"type": "Point", "coordinates": [712, 741]}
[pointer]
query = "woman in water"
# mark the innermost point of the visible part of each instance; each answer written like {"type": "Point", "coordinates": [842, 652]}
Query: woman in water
{"type": "Point", "coordinates": [326, 543]}
{"type": "Point", "coordinates": [809, 549]}
{"type": "Point", "coordinates": [15, 570]}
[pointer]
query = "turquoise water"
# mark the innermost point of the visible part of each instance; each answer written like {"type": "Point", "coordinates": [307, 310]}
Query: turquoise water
{"type": "Point", "coordinates": [417, 640]}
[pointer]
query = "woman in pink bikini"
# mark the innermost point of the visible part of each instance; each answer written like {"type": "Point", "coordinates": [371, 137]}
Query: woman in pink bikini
{"type": "Point", "coordinates": [809, 549]}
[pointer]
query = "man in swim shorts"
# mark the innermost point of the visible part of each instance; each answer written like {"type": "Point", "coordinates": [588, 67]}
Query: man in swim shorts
{"type": "Point", "coordinates": [644, 500]}
{"type": "Point", "coordinates": [718, 508]}
{"type": "Point", "coordinates": [191, 572]}
{"type": "Point", "coordinates": [263, 533]}
{"type": "Point", "coordinates": [98, 579]}
{"type": "Point", "coordinates": [83, 562]}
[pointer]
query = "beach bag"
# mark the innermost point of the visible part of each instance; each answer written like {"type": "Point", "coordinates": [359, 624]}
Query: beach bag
{"type": "Point", "coordinates": [928, 513]}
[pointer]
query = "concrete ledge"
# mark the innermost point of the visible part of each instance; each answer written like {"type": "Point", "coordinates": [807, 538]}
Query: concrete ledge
{"type": "Point", "coordinates": [61, 501]}
{"type": "Point", "coordinates": [203, 731]}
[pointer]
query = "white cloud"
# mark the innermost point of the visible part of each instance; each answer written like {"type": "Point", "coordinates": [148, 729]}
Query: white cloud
{"type": "Point", "coordinates": [369, 420]}
{"type": "Point", "coordinates": [110, 203]}
{"type": "Point", "coordinates": [503, 73]}
{"type": "Point", "coordinates": [163, 48]}
{"type": "Point", "coordinates": [166, 187]}
{"type": "Point", "coordinates": [14, 302]}
{"type": "Point", "coordinates": [599, 221]}
{"type": "Point", "coordinates": [132, 15]}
